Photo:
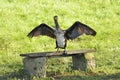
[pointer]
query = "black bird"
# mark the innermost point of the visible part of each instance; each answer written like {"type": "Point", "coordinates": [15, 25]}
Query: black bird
{"type": "Point", "coordinates": [60, 35]}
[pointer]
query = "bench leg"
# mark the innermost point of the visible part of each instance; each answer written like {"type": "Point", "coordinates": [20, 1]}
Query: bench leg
{"type": "Point", "coordinates": [80, 62]}
{"type": "Point", "coordinates": [35, 66]}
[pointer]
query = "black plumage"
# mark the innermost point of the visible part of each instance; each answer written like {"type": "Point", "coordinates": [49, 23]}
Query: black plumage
{"type": "Point", "coordinates": [42, 29]}
{"type": "Point", "coordinates": [60, 35]}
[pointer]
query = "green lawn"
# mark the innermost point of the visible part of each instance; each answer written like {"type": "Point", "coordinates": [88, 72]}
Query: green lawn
{"type": "Point", "coordinates": [18, 18]}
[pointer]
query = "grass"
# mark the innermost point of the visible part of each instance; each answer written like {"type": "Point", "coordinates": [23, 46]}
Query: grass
{"type": "Point", "coordinates": [17, 18]}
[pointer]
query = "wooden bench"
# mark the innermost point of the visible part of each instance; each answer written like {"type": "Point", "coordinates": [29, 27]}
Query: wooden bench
{"type": "Point", "coordinates": [35, 63]}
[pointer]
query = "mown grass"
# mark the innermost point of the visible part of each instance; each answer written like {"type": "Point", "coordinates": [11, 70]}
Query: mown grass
{"type": "Point", "coordinates": [17, 18]}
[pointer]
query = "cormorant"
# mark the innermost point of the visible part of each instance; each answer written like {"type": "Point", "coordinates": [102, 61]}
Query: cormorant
{"type": "Point", "coordinates": [60, 35]}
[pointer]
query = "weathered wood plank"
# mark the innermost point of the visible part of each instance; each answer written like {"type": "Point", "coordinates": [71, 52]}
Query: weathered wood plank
{"type": "Point", "coordinates": [53, 54]}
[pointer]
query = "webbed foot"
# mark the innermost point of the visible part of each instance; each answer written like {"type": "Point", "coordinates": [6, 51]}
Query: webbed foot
{"type": "Point", "coordinates": [65, 52]}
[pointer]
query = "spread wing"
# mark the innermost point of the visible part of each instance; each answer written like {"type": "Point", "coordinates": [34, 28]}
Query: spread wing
{"type": "Point", "coordinates": [78, 29]}
{"type": "Point", "coordinates": [42, 29]}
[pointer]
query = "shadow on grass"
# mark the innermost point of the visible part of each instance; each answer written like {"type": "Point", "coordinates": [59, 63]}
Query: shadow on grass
{"type": "Point", "coordinates": [113, 77]}
{"type": "Point", "coordinates": [17, 75]}
{"type": "Point", "coordinates": [93, 77]}
{"type": "Point", "coordinates": [21, 75]}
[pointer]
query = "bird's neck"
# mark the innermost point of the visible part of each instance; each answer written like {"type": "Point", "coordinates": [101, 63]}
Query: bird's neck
{"type": "Point", "coordinates": [57, 25]}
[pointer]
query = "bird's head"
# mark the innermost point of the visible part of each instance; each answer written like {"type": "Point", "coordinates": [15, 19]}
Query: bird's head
{"type": "Point", "coordinates": [55, 17]}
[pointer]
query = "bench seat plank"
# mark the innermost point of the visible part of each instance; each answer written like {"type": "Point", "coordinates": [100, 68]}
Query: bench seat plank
{"type": "Point", "coordinates": [53, 54]}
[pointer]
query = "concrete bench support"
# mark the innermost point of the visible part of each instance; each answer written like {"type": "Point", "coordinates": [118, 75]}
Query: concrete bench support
{"type": "Point", "coordinates": [35, 66]}
{"type": "Point", "coordinates": [80, 62]}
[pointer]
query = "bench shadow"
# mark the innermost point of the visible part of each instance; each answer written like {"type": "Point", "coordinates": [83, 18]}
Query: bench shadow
{"type": "Point", "coordinates": [112, 77]}
{"type": "Point", "coordinates": [22, 75]}
{"type": "Point", "coordinates": [93, 77]}
{"type": "Point", "coordinates": [17, 75]}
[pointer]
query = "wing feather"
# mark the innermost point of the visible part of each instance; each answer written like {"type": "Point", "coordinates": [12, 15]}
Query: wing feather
{"type": "Point", "coordinates": [78, 29]}
{"type": "Point", "coordinates": [42, 29]}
